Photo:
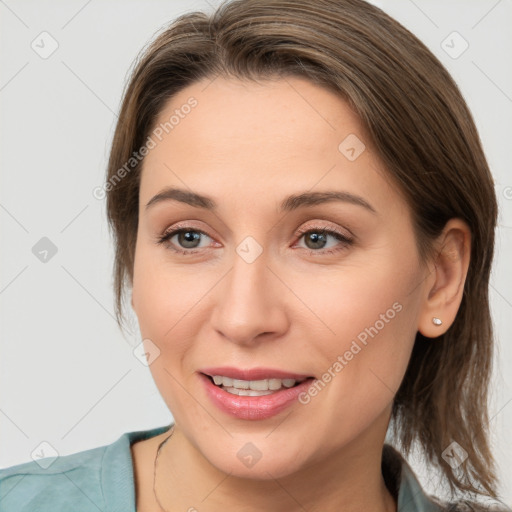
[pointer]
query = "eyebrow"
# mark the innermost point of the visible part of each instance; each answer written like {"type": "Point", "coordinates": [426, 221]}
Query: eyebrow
{"type": "Point", "coordinates": [291, 203]}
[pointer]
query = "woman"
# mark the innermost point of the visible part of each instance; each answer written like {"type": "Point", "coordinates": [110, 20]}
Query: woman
{"type": "Point", "coordinates": [304, 218]}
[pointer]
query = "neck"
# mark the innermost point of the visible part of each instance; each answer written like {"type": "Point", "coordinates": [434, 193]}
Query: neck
{"type": "Point", "coordinates": [349, 479]}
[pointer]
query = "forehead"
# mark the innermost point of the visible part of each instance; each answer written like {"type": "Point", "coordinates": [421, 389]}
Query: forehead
{"type": "Point", "coordinates": [268, 114]}
{"type": "Point", "coordinates": [227, 134]}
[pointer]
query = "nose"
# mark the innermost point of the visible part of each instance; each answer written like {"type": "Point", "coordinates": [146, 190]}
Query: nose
{"type": "Point", "coordinates": [250, 304]}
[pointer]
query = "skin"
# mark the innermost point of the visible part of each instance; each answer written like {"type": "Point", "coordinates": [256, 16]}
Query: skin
{"type": "Point", "coordinates": [248, 146]}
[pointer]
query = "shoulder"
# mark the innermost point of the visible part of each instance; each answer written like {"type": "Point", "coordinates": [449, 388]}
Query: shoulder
{"type": "Point", "coordinates": [96, 479]}
{"type": "Point", "coordinates": [469, 506]}
{"type": "Point", "coordinates": [73, 480]}
{"type": "Point", "coordinates": [411, 497]}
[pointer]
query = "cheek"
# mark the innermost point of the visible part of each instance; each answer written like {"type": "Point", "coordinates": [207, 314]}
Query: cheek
{"type": "Point", "coordinates": [163, 295]}
{"type": "Point", "coordinates": [164, 299]}
{"type": "Point", "coordinates": [371, 316]}
{"type": "Point", "coordinates": [169, 301]}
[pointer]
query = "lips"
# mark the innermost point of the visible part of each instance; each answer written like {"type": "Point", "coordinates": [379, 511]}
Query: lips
{"type": "Point", "coordinates": [253, 373]}
{"type": "Point", "coordinates": [254, 394]}
{"type": "Point", "coordinates": [252, 387]}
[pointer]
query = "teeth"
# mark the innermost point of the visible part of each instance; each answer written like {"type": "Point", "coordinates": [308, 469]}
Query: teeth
{"type": "Point", "coordinates": [274, 384]}
{"type": "Point", "coordinates": [258, 385]}
{"type": "Point", "coordinates": [246, 392]}
{"type": "Point", "coordinates": [247, 386]}
{"type": "Point", "coordinates": [241, 384]}
{"type": "Point", "coordinates": [288, 383]}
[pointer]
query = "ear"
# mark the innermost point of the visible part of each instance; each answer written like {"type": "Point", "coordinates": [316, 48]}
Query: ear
{"type": "Point", "coordinates": [444, 286]}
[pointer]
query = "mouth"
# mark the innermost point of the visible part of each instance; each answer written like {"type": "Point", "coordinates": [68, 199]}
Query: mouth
{"type": "Point", "coordinates": [255, 394]}
{"type": "Point", "coordinates": [260, 387]}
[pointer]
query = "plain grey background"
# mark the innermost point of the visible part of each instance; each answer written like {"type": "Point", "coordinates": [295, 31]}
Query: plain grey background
{"type": "Point", "coordinates": [67, 375]}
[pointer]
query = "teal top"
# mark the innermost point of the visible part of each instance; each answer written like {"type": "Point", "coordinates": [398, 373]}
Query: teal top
{"type": "Point", "coordinates": [102, 479]}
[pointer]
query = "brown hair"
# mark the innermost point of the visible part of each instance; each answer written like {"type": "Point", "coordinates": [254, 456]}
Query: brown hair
{"type": "Point", "coordinates": [420, 128]}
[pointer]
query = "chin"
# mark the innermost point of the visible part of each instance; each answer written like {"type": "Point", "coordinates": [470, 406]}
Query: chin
{"type": "Point", "coordinates": [258, 460]}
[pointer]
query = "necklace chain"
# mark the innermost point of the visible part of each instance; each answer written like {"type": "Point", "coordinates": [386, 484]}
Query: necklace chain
{"type": "Point", "coordinates": [160, 446]}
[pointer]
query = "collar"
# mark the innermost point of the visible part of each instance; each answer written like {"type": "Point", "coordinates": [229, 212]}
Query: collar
{"type": "Point", "coordinates": [403, 484]}
{"type": "Point", "coordinates": [398, 476]}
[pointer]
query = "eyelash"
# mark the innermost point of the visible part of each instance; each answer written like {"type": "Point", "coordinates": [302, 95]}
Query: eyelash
{"type": "Point", "coordinates": [161, 240]}
{"type": "Point", "coordinates": [169, 234]}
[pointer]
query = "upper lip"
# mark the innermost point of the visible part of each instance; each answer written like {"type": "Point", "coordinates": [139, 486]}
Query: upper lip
{"type": "Point", "coordinates": [252, 373]}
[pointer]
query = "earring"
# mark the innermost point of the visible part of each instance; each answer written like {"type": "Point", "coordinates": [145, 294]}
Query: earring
{"type": "Point", "coordinates": [437, 321]}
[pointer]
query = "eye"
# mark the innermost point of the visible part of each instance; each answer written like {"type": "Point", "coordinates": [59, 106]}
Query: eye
{"type": "Point", "coordinates": [324, 241]}
{"type": "Point", "coordinates": [318, 240]}
{"type": "Point", "coordinates": [185, 239]}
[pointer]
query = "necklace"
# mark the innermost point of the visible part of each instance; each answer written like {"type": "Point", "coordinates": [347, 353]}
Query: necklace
{"type": "Point", "coordinates": [160, 446]}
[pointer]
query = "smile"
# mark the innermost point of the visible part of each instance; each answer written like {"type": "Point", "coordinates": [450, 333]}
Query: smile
{"type": "Point", "coordinates": [253, 394]}
{"type": "Point", "coordinates": [253, 387]}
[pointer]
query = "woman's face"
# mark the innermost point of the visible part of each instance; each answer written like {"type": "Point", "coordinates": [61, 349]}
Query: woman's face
{"type": "Point", "coordinates": [298, 261]}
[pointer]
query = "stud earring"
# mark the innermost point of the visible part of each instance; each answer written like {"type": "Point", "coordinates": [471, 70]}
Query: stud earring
{"type": "Point", "coordinates": [437, 321]}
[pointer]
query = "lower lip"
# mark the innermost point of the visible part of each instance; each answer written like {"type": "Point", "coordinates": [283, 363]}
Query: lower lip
{"type": "Point", "coordinates": [253, 407]}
